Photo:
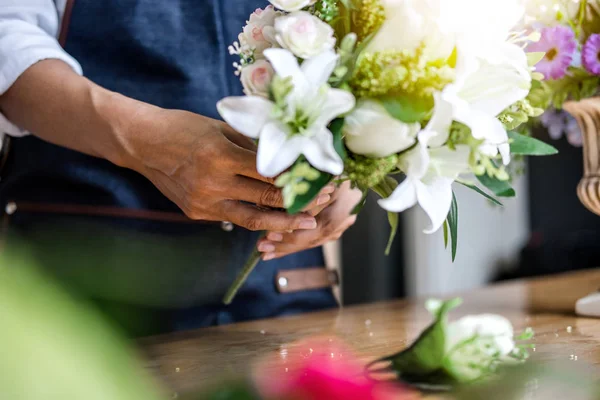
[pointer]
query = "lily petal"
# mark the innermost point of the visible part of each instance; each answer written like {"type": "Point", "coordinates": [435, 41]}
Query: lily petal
{"type": "Point", "coordinates": [403, 198]}
{"type": "Point", "coordinates": [483, 125]}
{"type": "Point", "coordinates": [286, 65]}
{"type": "Point", "coordinates": [415, 162]}
{"type": "Point", "coordinates": [338, 102]}
{"type": "Point", "coordinates": [318, 69]}
{"type": "Point", "coordinates": [449, 163]}
{"type": "Point", "coordinates": [435, 198]}
{"type": "Point", "coordinates": [439, 125]}
{"type": "Point", "coordinates": [246, 114]}
{"type": "Point", "coordinates": [276, 152]}
{"type": "Point", "coordinates": [321, 154]}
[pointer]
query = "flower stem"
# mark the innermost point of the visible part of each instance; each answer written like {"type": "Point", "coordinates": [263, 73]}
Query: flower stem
{"type": "Point", "coordinates": [242, 276]}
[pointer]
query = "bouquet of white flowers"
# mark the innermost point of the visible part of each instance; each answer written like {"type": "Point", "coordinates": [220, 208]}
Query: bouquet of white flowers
{"type": "Point", "coordinates": [369, 91]}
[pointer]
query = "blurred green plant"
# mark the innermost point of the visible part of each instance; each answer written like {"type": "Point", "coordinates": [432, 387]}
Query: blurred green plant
{"type": "Point", "coordinates": [54, 348]}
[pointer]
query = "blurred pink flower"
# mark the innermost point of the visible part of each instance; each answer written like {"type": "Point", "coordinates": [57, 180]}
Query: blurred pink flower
{"type": "Point", "coordinates": [559, 44]}
{"type": "Point", "coordinates": [322, 370]}
{"type": "Point", "coordinates": [591, 54]}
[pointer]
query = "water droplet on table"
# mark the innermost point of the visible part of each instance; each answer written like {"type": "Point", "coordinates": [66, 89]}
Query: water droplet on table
{"type": "Point", "coordinates": [368, 322]}
{"type": "Point", "coordinates": [262, 332]}
{"type": "Point", "coordinates": [177, 369]}
{"type": "Point", "coordinates": [569, 329]}
{"type": "Point", "coordinates": [370, 334]}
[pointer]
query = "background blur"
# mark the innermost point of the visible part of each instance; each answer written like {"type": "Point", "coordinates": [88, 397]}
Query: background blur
{"type": "Point", "coordinates": [544, 230]}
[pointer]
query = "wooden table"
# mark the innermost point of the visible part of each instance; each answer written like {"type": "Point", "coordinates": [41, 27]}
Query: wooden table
{"type": "Point", "coordinates": [188, 361]}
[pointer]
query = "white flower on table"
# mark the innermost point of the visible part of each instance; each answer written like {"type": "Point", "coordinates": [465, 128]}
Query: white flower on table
{"type": "Point", "coordinates": [300, 127]}
{"type": "Point", "coordinates": [256, 78]}
{"type": "Point", "coordinates": [292, 5]}
{"type": "Point", "coordinates": [488, 81]}
{"type": "Point", "coordinates": [304, 34]}
{"type": "Point", "coordinates": [259, 32]}
{"type": "Point", "coordinates": [429, 177]}
{"type": "Point", "coordinates": [371, 131]}
{"type": "Point", "coordinates": [475, 342]}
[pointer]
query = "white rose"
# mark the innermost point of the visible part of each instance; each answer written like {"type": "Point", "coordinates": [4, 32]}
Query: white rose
{"type": "Point", "coordinates": [546, 12]}
{"type": "Point", "coordinates": [476, 340]}
{"type": "Point", "coordinates": [259, 32]}
{"type": "Point", "coordinates": [292, 5]}
{"type": "Point", "coordinates": [304, 34]}
{"type": "Point", "coordinates": [256, 78]}
{"type": "Point", "coordinates": [372, 132]}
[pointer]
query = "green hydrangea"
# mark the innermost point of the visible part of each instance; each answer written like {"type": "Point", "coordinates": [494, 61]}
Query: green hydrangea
{"type": "Point", "coordinates": [367, 172]}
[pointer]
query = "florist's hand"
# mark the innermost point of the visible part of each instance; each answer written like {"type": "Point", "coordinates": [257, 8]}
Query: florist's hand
{"type": "Point", "coordinates": [209, 171]}
{"type": "Point", "coordinates": [332, 222]}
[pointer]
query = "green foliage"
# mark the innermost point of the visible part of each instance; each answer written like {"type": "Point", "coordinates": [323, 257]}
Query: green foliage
{"type": "Point", "coordinates": [453, 225]}
{"type": "Point", "coordinates": [528, 146]}
{"type": "Point", "coordinates": [578, 85]}
{"type": "Point", "coordinates": [366, 172]}
{"type": "Point", "coordinates": [407, 109]}
{"type": "Point", "coordinates": [498, 187]}
{"type": "Point", "coordinates": [424, 358]}
{"type": "Point", "coordinates": [384, 189]}
{"type": "Point", "coordinates": [56, 348]}
{"type": "Point", "coordinates": [481, 192]}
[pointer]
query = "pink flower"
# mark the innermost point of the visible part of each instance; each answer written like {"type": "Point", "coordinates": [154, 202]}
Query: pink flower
{"type": "Point", "coordinates": [590, 55]}
{"type": "Point", "coordinates": [559, 44]}
{"type": "Point", "coordinates": [256, 78]}
{"type": "Point", "coordinates": [259, 32]}
{"type": "Point", "coordinates": [320, 369]}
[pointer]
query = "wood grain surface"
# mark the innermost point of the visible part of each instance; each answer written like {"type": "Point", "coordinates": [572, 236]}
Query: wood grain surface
{"type": "Point", "coordinates": [189, 361]}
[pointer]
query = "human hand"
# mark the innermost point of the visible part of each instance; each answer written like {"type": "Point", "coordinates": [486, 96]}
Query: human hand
{"type": "Point", "coordinates": [332, 221]}
{"type": "Point", "coordinates": [209, 171]}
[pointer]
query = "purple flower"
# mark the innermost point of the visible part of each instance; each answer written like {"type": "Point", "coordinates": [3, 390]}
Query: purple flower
{"type": "Point", "coordinates": [560, 123]}
{"type": "Point", "coordinates": [590, 54]}
{"type": "Point", "coordinates": [559, 44]}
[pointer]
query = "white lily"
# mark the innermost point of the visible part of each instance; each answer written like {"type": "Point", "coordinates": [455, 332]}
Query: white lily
{"type": "Point", "coordinates": [429, 177]}
{"type": "Point", "coordinates": [486, 84]}
{"type": "Point", "coordinates": [300, 128]}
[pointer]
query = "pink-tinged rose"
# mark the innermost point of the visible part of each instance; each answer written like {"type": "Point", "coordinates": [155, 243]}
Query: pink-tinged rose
{"type": "Point", "coordinates": [320, 369]}
{"type": "Point", "coordinates": [256, 78]}
{"type": "Point", "coordinates": [259, 32]}
{"type": "Point", "coordinates": [304, 34]}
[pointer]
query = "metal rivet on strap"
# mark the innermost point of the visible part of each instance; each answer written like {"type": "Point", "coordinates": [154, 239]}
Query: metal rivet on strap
{"type": "Point", "coordinates": [10, 208]}
{"type": "Point", "coordinates": [283, 282]}
{"type": "Point", "coordinates": [227, 226]}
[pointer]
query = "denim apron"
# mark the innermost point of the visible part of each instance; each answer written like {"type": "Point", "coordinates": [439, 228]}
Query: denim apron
{"type": "Point", "coordinates": [106, 232]}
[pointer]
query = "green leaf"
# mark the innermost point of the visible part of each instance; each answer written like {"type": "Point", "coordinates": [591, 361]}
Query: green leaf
{"type": "Point", "coordinates": [338, 139]}
{"type": "Point", "coordinates": [385, 189]}
{"type": "Point", "coordinates": [481, 192]}
{"type": "Point", "coordinates": [426, 355]}
{"type": "Point", "coordinates": [498, 187]}
{"type": "Point", "coordinates": [446, 234]}
{"type": "Point", "coordinates": [230, 391]}
{"type": "Point", "coordinates": [528, 146]}
{"type": "Point", "coordinates": [535, 57]}
{"type": "Point", "coordinates": [303, 200]}
{"type": "Point", "coordinates": [453, 225]}
{"type": "Point", "coordinates": [357, 209]}
{"type": "Point", "coordinates": [393, 220]}
{"type": "Point", "coordinates": [407, 109]}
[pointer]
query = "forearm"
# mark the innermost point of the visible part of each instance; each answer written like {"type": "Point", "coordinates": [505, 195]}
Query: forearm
{"type": "Point", "coordinates": [54, 103]}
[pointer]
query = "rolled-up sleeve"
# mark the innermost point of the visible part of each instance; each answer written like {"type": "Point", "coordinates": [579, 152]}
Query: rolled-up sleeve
{"type": "Point", "coordinates": [28, 34]}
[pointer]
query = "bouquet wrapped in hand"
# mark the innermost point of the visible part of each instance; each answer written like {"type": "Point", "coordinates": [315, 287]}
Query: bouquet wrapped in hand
{"type": "Point", "coordinates": [401, 97]}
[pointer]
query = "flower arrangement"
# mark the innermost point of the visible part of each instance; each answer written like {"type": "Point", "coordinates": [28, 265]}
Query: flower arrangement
{"type": "Point", "coordinates": [569, 60]}
{"type": "Point", "coordinates": [369, 91]}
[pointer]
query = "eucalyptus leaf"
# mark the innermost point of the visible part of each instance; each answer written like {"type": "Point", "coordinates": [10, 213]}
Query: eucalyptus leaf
{"type": "Point", "coordinates": [481, 192]}
{"type": "Point", "coordinates": [528, 146]}
{"type": "Point", "coordinates": [498, 187]}
{"type": "Point", "coordinates": [407, 109]}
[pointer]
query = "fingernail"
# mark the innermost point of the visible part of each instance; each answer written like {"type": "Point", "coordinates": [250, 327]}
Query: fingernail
{"type": "Point", "coordinates": [269, 256]}
{"type": "Point", "coordinates": [275, 237]}
{"type": "Point", "coordinates": [308, 224]}
{"type": "Point", "coordinates": [266, 248]}
{"type": "Point", "coordinates": [323, 199]}
{"type": "Point", "coordinates": [328, 189]}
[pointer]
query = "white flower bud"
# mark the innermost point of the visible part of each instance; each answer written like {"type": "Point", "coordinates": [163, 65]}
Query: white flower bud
{"type": "Point", "coordinates": [256, 78]}
{"type": "Point", "coordinates": [304, 34]}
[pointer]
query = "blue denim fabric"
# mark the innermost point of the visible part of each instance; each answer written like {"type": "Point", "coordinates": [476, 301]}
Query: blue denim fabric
{"type": "Point", "coordinates": [172, 54]}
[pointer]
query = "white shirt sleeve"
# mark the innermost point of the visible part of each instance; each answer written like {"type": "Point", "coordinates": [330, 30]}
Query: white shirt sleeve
{"type": "Point", "coordinates": [28, 34]}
